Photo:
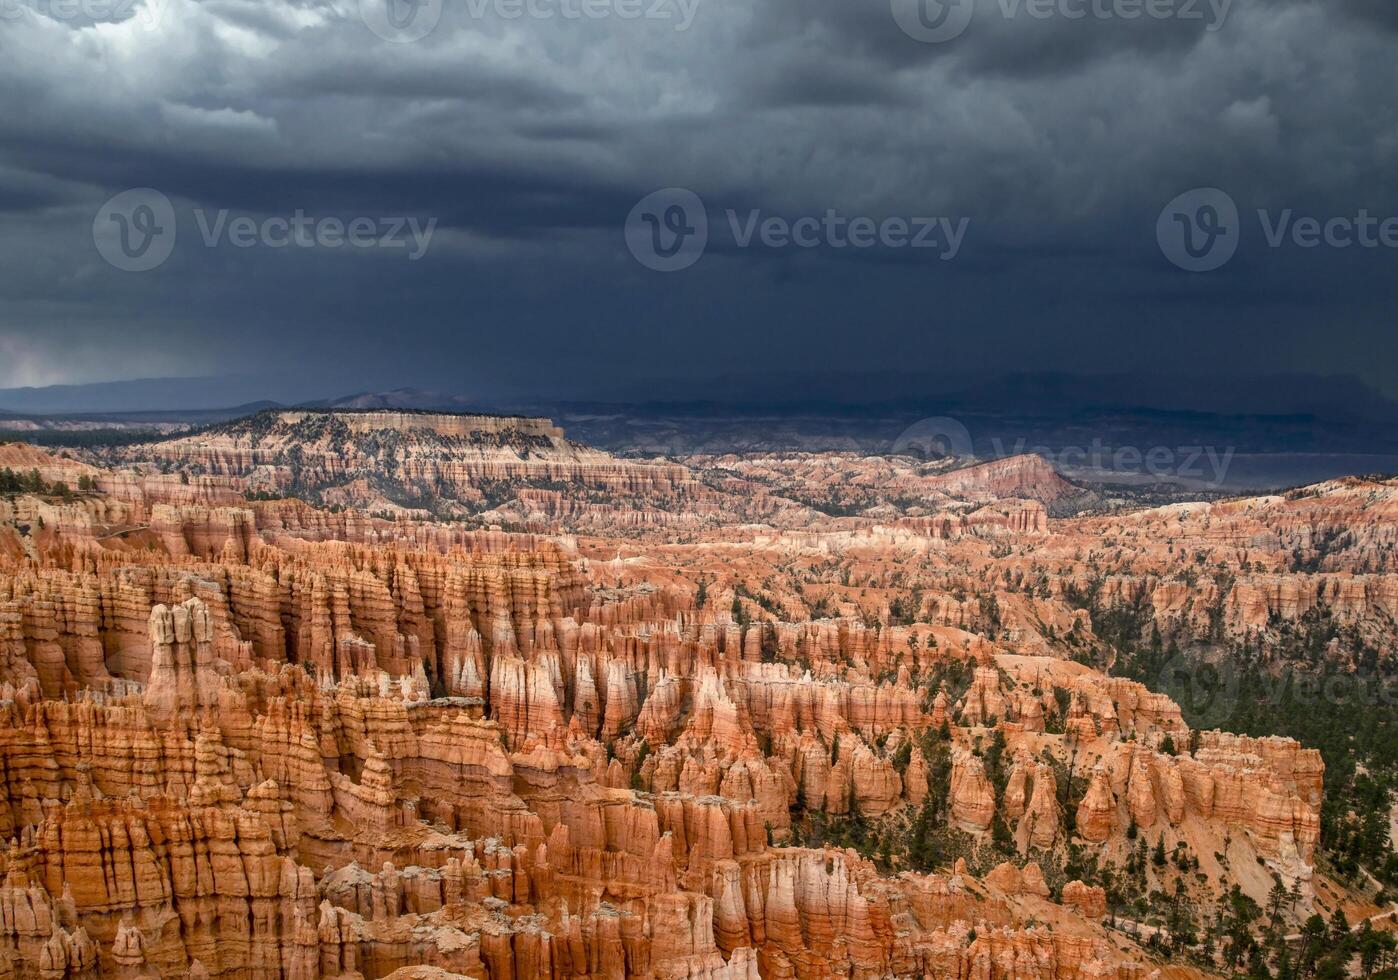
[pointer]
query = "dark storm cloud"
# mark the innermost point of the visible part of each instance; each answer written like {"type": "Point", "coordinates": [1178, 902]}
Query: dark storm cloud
{"type": "Point", "coordinates": [819, 79]}
{"type": "Point", "coordinates": [25, 191]}
{"type": "Point", "coordinates": [1003, 36]}
{"type": "Point", "coordinates": [1380, 12]}
{"type": "Point", "coordinates": [529, 140]}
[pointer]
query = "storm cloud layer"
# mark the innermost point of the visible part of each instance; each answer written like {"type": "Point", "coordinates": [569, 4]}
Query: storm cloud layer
{"type": "Point", "coordinates": [524, 132]}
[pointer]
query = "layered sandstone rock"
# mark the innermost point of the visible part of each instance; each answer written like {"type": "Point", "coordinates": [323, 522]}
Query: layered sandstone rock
{"type": "Point", "coordinates": [1096, 815]}
{"type": "Point", "coordinates": [260, 739]}
{"type": "Point", "coordinates": [972, 796]}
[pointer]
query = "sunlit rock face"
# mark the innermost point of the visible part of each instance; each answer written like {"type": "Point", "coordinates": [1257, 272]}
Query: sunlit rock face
{"type": "Point", "coordinates": [251, 737]}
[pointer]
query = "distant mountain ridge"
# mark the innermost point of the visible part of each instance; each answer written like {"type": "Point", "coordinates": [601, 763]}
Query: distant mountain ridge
{"type": "Point", "coordinates": [1282, 430]}
{"type": "Point", "coordinates": [416, 399]}
{"type": "Point", "coordinates": [1331, 397]}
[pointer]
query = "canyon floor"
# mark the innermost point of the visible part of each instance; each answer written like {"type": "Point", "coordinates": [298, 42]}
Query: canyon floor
{"type": "Point", "coordinates": [401, 694]}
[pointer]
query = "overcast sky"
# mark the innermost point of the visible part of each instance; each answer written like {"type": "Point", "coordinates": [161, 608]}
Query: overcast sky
{"type": "Point", "coordinates": [1051, 142]}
